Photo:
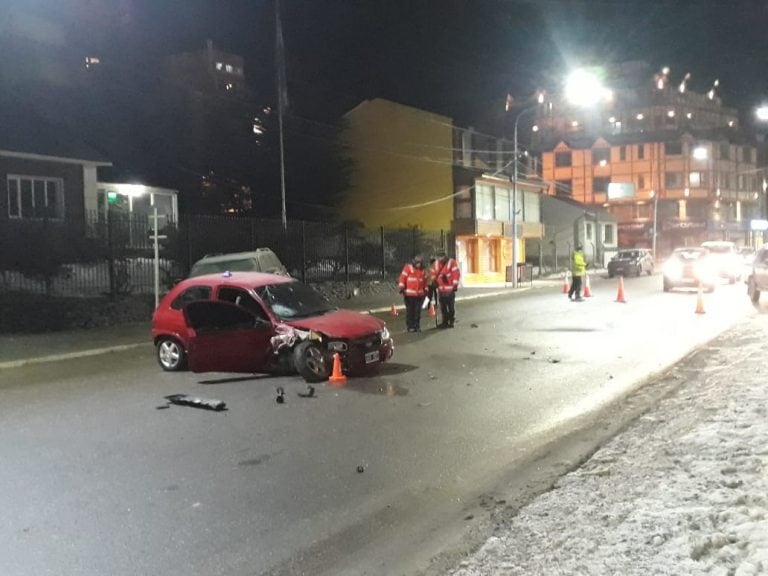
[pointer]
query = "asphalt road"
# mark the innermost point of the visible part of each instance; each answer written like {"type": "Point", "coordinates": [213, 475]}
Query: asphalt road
{"type": "Point", "coordinates": [100, 478]}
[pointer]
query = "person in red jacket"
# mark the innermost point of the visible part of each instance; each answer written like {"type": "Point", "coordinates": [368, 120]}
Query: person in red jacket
{"type": "Point", "coordinates": [447, 275]}
{"type": "Point", "coordinates": [413, 287]}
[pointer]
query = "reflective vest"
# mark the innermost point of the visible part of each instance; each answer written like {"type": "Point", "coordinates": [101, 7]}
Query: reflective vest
{"type": "Point", "coordinates": [446, 275]}
{"type": "Point", "coordinates": [579, 266]}
{"type": "Point", "coordinates": [413, 281]}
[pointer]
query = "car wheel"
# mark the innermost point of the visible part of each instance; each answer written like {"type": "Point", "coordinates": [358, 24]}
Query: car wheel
{"type": "Point", "coordinates": [650, 271]}
{"type": "Point", "coordinates": [171, 355]}
{"type": "Point", "coordinates": [610, 275]}
{"type": "Point", "coordinates": [667, 285]}
{"type": "Point", "coordinates": [754, 293]}
{"type": "Point", "coordinates": [310, 362]}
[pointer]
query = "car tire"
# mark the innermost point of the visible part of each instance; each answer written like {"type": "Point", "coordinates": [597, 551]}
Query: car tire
{"type": "Point", "coordinates": [310, 362]}
{"type": "Point", "coordinates": [667, 285]}
{"type": "Point", "coordinates": [650, 271]}
{"type": "Point", "coordinates": [754, 293]}
{"type": "Point", "coordinates": [610, 275]}
{"type": "Point", "coordinates": [171, 355]}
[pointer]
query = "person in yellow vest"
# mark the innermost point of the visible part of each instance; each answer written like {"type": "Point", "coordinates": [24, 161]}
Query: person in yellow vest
{"type": "Point", "coordinates": [413, 286]}
{"type": "Point", "coordinates": [578, 270]}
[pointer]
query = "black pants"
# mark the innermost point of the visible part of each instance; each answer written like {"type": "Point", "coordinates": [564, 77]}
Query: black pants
{"type": "Point", "coordinates": [575, 287]}
{"type": "Point", "coordinates": [413, 312]}
{"type": "Point", "coordinates": [448, 308]}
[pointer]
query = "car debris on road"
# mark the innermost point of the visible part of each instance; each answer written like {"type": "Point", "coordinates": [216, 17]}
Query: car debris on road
{"type": "Point", "coordinates": [196, 402]}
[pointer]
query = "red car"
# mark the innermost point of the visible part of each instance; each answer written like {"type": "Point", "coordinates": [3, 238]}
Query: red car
{"type": "Point", "coordinates": [261, 323]}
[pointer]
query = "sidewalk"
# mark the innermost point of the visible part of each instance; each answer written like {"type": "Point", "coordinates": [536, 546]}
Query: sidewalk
{"type": "Point", "coordinates": [22, 349]}
{"type": "Point", "coordinates": [682, 490]}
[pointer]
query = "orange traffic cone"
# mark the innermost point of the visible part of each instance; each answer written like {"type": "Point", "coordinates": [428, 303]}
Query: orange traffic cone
{"type": "Point", "coordinates": [393, 311]}
{"type": "Point", "coordinates": [700, 303]}
{"type": "Point", "coordinates": [587, 290]}
{"type": "Point", "coordinates": [566, 286]}
{"type": "Point", "coordinates": [432, 312]}
{"type": "Point", "coordinates": [620, 295]}
{"type": "Point", "coordinates": [336, 376]}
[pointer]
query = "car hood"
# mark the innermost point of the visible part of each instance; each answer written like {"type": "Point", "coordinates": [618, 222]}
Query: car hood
{"type": "Point", "coordinates": [340, 324]}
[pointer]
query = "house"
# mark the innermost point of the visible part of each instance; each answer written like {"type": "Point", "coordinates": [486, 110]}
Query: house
{"type": "Point", "coordinates": [46, 172]}
{"type": "Point", "coordinates": [570, 223]}
{"type": "Point", "coordinates": [412, 168]}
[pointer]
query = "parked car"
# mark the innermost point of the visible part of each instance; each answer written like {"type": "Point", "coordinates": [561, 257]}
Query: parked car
{"type": "Point", "coordinates": [632, 262]}
{"type": "Point", "coordinates": [757, 281]}
{"type": "Point", "coordinates": [263, 323]}
{"type": "Point", "coordinates": [259, 260]}
{"type": "Point", "coordinates": [725, 259]}
{"type": "Point", "coordinates": [689, 268]}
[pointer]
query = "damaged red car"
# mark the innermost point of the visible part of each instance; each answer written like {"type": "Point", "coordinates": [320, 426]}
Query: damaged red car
{"type": "Point", "coordinates": [263, 323]}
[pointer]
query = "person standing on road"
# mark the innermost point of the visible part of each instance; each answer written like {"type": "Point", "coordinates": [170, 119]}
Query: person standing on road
{"type": "Point", "coordinates": [447, 275]}
{"type": "Point", "coordinates": [413, 287]}
{"type": "Point", "coordinates": [578, 269]}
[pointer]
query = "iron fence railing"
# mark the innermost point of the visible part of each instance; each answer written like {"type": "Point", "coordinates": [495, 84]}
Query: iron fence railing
{"type": "Point", "coordinates": [114, 255]}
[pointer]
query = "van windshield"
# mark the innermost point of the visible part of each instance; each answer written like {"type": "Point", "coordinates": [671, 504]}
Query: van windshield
{"type": "Point", "coordinates": [243, 265]}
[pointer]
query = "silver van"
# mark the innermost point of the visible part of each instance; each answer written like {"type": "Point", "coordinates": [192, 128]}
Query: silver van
{"type": "Point", "coordinates": [259, 260]}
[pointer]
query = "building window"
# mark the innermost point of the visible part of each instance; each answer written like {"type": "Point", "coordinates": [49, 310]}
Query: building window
{"type": "Point", "coordinates": [600, 184]}
{"type": "Point", "coordinates": [562, 159]}
{"type": "Point", "coordinates": [33, 197]}
{"type": "Point", "coordinates": [641, 182]}
{"type": "Point", "coordinates": [741, 182]}
{"type": "Point", "coordinates": [219, 65]}
{"type": "Point", "coordinates": [564, 188]}
{"type": "Point", "coordinates": [697, 179]}
{"type": "Point", "coordinates": [673, 180]}
{"type": "Point", "coordinates": [608, 234]}
{"type": "Point", "coordinates": [673, 148]}
{"type": "Point", "coordinates": [484, 202]}
{"type": "Point", "coordinates": [502, 210]}
{"type": "Point", "coordinates": [601, 156]}
{"type": "Point", "coordinates": [622, 152]}
{"type": "Point", "coordinates": [588, 230]}
{"type": "Point", "coordinates": [641, 151]}
{"type": "Point", "coordinates": [725, 151]}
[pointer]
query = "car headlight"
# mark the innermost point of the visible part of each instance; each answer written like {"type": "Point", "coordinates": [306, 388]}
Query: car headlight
{"type": "Point", "coordinates": [673, 269]}
{"type": "Point", "coordinates": [384, 333]}
{"type": "Point", "coordinates": [337, 346]}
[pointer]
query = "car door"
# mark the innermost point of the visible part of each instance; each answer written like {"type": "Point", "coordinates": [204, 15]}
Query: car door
{"type": "Point", "coordinates": [227, 338]}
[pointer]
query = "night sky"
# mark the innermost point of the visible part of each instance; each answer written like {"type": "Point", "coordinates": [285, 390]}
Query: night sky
{"type": "Point", "coordinates": [450, 56]}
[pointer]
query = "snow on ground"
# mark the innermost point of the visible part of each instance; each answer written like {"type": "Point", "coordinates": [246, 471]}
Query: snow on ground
{"type": "Point", "coordinates": [683, 490]}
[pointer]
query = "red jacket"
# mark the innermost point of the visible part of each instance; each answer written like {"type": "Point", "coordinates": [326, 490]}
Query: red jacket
{"type": "Point", "coordinates": [447, 275]}
{"type": "Point", "coordinates": [413, 281]}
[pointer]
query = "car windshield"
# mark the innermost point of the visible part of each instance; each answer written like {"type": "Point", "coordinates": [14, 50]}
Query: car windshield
{"type": "Point", "coordinates": [293, 300]}
{"type": "Point", "coordinates": [687, 255]}
{"type": "Point", "coordinates": [243, 265]}
{"type": "Point", "coordinates": [629, 254]}
{"type": "Point", "coordinates": [720, 249]}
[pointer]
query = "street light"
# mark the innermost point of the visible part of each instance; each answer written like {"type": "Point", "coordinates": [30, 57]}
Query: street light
{"type": "Point", "coordinates": [514, 194]}
{"type": "Point", "coordinates": [583, 88]}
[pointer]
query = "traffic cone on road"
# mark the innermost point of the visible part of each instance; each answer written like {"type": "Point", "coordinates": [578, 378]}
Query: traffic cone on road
{"type": "Point", "coordinates": [393, 311]}
{"type": "Point", "coordinates": [336, 376]}
{"type": "Point", "coordinates": [587, 290]}
{"type": "Point", "coordinates": [700, 302]}
{"type": "Point", "coordinates": [432, 312]}
{"type": "Point", "coordinates": [566, 286]}
{"type": "Point", "coordinates": [620, 296]}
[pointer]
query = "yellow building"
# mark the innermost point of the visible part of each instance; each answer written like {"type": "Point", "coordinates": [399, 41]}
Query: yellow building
{"type": "Point", "coordinates": [402, 167]}
{"type": "Point", "coordinates": [412, 168]}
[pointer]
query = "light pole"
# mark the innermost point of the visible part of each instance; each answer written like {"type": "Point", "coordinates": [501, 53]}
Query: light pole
{"type": "Point", "coordinates": [655, 220]}
{"type": "Point", "coordinates": [514, 194]}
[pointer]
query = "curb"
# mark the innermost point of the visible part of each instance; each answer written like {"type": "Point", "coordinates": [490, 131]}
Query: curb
{"type": "Point", "coordinates": [458, 299]}
{"type": "Point", "coordinates": [122, 347]}
{"type": "Point", "coordinates": [69, 355]}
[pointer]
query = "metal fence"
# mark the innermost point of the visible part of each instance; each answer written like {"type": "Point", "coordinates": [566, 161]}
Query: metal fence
{"type": "Point", "coordinates": [114, 255]}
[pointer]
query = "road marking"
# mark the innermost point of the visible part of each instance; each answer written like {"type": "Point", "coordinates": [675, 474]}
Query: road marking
{"type": "Point", "coordinates": [69, 355]}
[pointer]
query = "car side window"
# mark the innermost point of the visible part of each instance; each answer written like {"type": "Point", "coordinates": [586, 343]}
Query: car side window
{"type": "Point", "coordinates": [190, 295]}
{"type": "Point", "coordinates": [243, 299]}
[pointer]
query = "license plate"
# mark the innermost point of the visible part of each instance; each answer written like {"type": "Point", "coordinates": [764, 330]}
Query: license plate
{"type": "Point", "coordinates": [371, 357]}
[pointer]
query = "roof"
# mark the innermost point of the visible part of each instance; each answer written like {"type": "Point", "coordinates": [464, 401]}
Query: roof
{"type": "Point", "coordinates": [243, 279]}
{"type": "Point", "coordinates": [26, 134]}
{"type": "Point", "coordinates": [581, 141]}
